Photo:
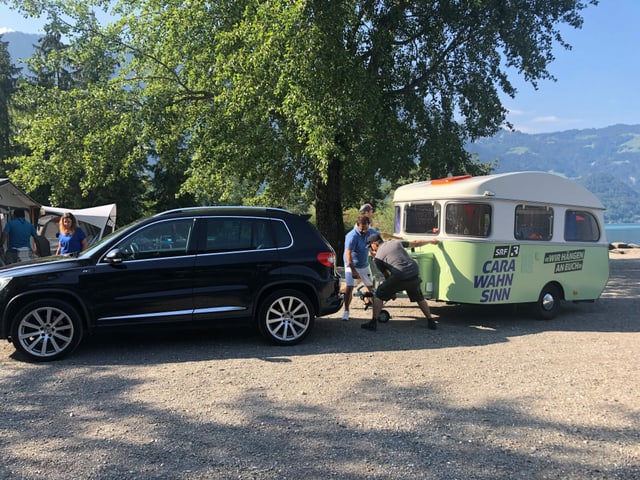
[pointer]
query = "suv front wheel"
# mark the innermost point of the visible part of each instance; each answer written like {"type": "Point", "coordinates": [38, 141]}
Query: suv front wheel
{"type": "Point", "coordinates": [46, 330]}
{"type": "Point", "coordinates": [285, 317]}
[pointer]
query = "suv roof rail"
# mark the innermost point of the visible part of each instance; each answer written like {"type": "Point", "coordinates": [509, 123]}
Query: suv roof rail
{"type": "Point", "coordinates": [218, 207]}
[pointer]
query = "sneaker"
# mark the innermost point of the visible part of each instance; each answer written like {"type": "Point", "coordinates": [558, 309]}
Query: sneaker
{"type": "Point", "coordinates": [345, 315]}
{"type": "Point", "coordinates": [432, 324]}
{"type": "Point", "coordinates": [370, 325]}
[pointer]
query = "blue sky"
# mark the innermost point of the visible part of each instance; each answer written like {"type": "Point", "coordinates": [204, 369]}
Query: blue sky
{"type": "Point", "coordinates": [598, 81]}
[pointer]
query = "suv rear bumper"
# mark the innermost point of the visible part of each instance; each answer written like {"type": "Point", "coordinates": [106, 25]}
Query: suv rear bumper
{"type": "Point", "coordinates": [332, 302]}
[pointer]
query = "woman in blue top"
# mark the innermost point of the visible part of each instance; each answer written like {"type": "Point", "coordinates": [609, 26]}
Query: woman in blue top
{"type": "Point", "coordinates": [71, 240]}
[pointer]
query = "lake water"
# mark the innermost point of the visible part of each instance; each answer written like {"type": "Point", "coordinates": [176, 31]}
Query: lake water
{"type": "Point", "coordinates": [623, 232]}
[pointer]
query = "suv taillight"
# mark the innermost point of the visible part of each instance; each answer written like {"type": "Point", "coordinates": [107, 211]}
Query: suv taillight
{"type": "Point", "coordinates": [328, 259]}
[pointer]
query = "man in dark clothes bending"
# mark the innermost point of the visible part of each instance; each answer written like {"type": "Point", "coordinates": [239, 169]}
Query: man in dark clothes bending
{"type": "Point", "coordinates": [401, 273]}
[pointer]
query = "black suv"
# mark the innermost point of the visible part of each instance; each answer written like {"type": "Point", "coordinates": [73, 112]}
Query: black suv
{"type": "Point", "coordinates": [193, 266]}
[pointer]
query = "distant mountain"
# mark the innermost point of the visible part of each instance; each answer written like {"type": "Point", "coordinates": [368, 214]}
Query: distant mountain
{"type": "Point", "coordinates": [605, 160]}
{"type": "Point", "coordinates": [21, 46]}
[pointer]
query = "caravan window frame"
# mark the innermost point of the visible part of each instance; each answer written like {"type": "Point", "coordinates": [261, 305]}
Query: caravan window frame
{"type": "Point", "coordinates": [589, 231]}
{"type": "Point", "coordinates": [533, 222]}
{"type": "Point", "coordinates": [422, 218]}
{"type": "Point", "coordinates": [458, 222]}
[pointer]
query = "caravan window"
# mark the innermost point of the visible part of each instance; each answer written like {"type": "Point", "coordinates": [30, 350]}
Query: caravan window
{"type": "Point", "coordinates": [422, 218]}
{"type": "Point", "coordinates": [468, 219]}
{"type": "Point", "coordinates": [533, 222]}
{"type": "Point", "coordinates": [580, 226]}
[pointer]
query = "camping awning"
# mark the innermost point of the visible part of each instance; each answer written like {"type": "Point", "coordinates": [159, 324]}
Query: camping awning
{"type": "Point", "coordinates": [103, 216]}
{"type": "Point", "coordinates": [13, 197]}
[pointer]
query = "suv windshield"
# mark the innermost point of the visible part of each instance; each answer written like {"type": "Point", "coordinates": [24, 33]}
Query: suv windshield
{"type": "Point", "coordinates": [118, 233]}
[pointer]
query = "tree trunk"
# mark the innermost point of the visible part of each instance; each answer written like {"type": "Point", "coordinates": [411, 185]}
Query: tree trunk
{"type": "Point", "coordinates": [329, 207]}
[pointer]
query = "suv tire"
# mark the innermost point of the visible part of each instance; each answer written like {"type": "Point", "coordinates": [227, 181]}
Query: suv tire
{"type": "Point", "coordinates": [46, 329]}
{"type": "Point", "coordinates": [285, 317]}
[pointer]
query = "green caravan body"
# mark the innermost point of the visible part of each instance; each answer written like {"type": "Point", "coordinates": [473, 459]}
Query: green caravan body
{"type": "Point", "coordinates": [523, 237]}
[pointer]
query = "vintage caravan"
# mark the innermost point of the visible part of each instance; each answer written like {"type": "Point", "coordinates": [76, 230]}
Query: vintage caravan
{"type": "Point", "coordinates": [524, 237]}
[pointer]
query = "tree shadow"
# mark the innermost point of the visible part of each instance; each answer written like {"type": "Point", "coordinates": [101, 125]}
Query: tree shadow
{"type": "Point", "coordinates": [80, 418]}
{"type": "Point", "coordinates": [460, 325]}
{"type": "Point", "coordinates": [95, 424]}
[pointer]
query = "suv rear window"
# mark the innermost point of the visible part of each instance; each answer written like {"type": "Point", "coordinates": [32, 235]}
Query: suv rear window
{"type": "Point", "coordinates": [228, 234]}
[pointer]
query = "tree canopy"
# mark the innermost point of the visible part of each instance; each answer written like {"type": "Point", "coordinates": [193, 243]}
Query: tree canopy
{"type": "Point", "coordinates": [281, 102]}
{"type": "Point", "coordinates": [8, 78]}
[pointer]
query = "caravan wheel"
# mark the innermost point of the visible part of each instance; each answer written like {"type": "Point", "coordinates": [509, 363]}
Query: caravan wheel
{"type": "Point", "coordinates": [548, 304]}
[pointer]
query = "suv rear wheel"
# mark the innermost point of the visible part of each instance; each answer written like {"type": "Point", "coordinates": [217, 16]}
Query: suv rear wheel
{"type": "Point", "coordinates": [285, 317]}
{"type": "Point", "coordinates": [46, 330]}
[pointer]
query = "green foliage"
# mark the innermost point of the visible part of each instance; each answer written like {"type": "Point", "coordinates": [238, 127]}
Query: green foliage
{"type": "Point", "coordinates": [622, 202]}
{"type": "Point", "coordinates": [82, 145]}
{"type": "Point", "coordinates": [288, 102]}
{"type": "Point", "coordinates": [8, 77]}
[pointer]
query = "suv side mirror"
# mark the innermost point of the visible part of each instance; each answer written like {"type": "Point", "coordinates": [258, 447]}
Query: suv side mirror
{"type": "Point", "coordinates": [114, 256]}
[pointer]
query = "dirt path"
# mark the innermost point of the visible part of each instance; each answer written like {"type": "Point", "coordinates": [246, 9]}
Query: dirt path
{"type": "Point", "coordinates": [491, 394]}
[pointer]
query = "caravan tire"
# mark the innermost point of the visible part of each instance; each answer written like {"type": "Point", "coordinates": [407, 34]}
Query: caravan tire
{"type": "Point", "coordinates": [548, 304]}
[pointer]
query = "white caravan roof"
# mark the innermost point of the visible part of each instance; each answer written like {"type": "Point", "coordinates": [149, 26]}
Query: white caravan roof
{"type": "Point", "coordinates": [534, 187]}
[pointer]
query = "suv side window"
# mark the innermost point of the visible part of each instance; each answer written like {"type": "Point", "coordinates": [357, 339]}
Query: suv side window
{"type": "Point", "coordinates": [160, 240]}
{"type": "Point", "coordinates": [232, 234]}
{"type": "Point", "coordinates": [282, 234]}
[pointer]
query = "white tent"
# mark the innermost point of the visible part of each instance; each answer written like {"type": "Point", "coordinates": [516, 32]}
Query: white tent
{"type": "Point", "coordinates": [12, 197]}
{"type": "Point", "coordinates": [103, 216]}
{"type": "Point", "coordinates": [96, 222]}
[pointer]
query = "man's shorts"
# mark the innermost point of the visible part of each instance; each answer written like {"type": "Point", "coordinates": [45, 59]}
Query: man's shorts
{"type": "Point", "coordinates": [14, 255]}
{"type": "Point", "coordinates": [392, 285]}
{"type": "Point", "coordinates": [364, 273]}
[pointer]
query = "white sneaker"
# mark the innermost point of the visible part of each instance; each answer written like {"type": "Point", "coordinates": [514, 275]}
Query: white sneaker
{"type": "Point", "coordinates": [345, 315]}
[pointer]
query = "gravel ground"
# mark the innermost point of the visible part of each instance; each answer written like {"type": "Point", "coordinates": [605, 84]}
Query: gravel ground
{"type": "Point", "coordinates": [491, 394]}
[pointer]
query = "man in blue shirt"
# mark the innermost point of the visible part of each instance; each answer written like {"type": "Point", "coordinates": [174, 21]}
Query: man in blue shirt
{"type": "Point", "coordinates": [19, 233]}
{"type": "Point", "coordinates": [356, 260]}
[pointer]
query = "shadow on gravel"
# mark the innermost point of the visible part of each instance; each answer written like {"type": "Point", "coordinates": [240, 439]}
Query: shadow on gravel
{"type": "Point", "coordinates": [69, 419]}
{"type": "Point", "coordinates": [92, 426]}
{"type": "Point", "coordinates": [460, 325]}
